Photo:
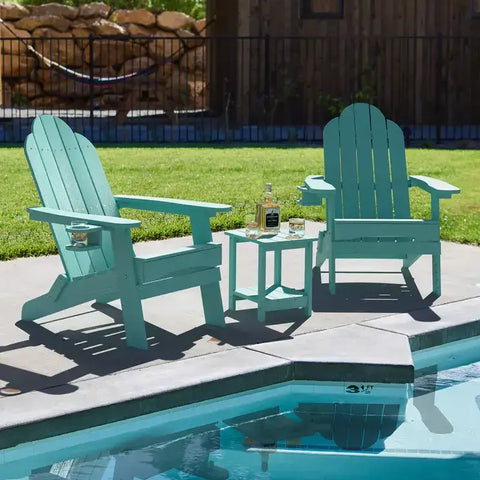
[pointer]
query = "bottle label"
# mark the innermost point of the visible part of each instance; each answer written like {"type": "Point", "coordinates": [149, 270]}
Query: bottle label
{"type": "Point", "coordinates": [272, 218]}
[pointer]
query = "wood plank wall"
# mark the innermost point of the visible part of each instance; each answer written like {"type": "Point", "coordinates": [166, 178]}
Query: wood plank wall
{"type": "Point", "coordinates": [394, 53]}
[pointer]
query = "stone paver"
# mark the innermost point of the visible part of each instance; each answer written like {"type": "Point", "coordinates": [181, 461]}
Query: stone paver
{"type": "Point", "coordinates": [349, 353]}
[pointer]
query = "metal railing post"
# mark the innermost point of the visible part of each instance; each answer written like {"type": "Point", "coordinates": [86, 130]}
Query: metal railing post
{"type": "Point", "coordinates": [90, 44]}
{"type": "Point", "coordinates": [438, 87]}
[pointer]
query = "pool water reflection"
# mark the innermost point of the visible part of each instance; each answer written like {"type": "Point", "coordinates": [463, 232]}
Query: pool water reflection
{"type": "Point", "coordinates": [297, 430]}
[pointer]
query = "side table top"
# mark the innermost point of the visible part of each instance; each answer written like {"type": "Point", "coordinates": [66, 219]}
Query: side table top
{"type": "Point", "coordinates": [279, 238]}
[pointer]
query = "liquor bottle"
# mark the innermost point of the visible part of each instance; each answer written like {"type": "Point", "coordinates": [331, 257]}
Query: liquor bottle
{"type": "Point", "coordinates": [267, 213]}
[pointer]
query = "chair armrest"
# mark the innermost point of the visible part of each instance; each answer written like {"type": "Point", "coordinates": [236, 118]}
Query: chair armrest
{"type": "Point", "coordinates": [317, 182]}
{"type": "Point", "coordinates": [433, 186]}
{"type": "Point", "coordinates": [169, 205]}
{"type": "Point", "coordinates": [52, 215]}
{"type": "Point", "coordinates": [315, 189]}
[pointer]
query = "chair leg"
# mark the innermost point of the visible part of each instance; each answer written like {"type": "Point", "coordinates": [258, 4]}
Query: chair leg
{"type": "Point", "coordinates": [51, 302]}
{"type": "Point", "coordinates": [321, 254]}
{"type": "Point", "coordinates": [128, 293]}
{"type": "Point", "coordinates": [331, 275]}
{"type": "Point", "coordinates": [436, 275]}
{"type": "Point", "coordinates": [132, 313]}
{"type": "Point", "coordinates": [212, 304]}
{"type": "Point", "coordinates": [62, 295]}
{"type": "Point", "coordinates": [409, 260]}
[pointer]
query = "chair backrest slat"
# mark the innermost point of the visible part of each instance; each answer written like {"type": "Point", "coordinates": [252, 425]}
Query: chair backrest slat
{"type": "Point", "coordinates": [348, 167]}
{"type": "Point", "coordinates": [69, 176]}
{"type": "Point", "coordinates": [332, 161]}
{"type": "Point", "coordinates": [365, 162]}
{"type": "Point", "coordinates": [363, 135]}
{"type": "Point", "coordinates": [398, 166]}
{"type": "Point", "coordinates": [380, 165]}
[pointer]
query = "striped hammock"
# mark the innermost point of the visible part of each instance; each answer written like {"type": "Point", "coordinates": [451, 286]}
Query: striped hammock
{"type": "Point", "coordinates": [89, 79]}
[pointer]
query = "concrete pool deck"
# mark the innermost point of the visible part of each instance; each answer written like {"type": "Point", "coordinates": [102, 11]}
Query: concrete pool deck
{"type": "Point", "coordinates": [73, 370]}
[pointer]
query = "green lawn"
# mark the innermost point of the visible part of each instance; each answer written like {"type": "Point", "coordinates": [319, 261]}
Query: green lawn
{"type": "Point", "coordinates": [227, 175]}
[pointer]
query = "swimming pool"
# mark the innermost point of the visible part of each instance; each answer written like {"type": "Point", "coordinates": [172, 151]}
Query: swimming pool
{"type": "Point", "coordinates": [296, 430]}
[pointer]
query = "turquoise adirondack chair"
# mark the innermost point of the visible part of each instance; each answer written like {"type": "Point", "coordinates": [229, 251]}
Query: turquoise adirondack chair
{"type": "Point", "coordinates": [73, 187]}
{"type": "Point", "coordinates": [366, 188]}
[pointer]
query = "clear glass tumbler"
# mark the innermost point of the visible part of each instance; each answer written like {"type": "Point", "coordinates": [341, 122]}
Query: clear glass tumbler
{"type": "Point", "coordinates": [251, 229]}
{"type": "Point", "coordinates": [296, 227]}
{"type": "Point", "coordinates": [78, 234]}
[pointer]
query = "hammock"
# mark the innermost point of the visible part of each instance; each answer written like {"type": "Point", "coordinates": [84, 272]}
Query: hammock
{"type": "Point", "coordinates": [80, 76]}
{"type": "Point", "coordinates": [89, 79]}
{"type": "Point", "coordinates": [84, 77]}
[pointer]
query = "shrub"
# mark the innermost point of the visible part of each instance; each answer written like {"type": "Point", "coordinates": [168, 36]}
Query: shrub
{"type": "Point", "coordinates": [195, 8]}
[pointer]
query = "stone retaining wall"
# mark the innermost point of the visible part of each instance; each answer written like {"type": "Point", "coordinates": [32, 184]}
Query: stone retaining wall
{"type": "Point", "coordinates": [80, 38]}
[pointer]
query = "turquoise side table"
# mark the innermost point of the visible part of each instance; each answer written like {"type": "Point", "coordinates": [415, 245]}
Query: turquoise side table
{"type": "Point", "coordinates": [276, 296]}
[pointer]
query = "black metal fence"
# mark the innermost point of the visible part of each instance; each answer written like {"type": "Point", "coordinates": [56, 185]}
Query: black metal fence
{"type": "Point", "coordinates": [169, 89]}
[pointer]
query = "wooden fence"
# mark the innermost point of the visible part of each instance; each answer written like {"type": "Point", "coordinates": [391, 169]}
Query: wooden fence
{"type": "Point", "coordinates": [306, 80]}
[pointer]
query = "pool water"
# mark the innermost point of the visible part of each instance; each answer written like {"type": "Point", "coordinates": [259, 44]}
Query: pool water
{"type": "Point", "coordinates": [297, 430]}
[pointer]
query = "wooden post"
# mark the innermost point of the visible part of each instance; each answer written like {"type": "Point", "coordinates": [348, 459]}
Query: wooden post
{"type": "Point", "coordinates": [1, 72]}
{"type": "Point", "coordinates": [438, 86]}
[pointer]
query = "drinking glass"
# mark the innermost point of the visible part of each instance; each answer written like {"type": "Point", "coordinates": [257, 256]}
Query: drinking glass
{"type": "Point", "coordinates": [296, 227]}
{"type": "Point", "coordinates": [251, 229]}
{"type": "Point", "coordinates": [78, 234]}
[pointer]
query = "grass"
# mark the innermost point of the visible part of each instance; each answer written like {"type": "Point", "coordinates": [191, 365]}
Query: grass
{"type": "Point", "coordinates": [235, 176]}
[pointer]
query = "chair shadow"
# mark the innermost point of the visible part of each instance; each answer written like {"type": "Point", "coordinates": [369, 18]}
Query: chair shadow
{"type": "Point", "coordinates": [374, 298]}
{"type": "Point", "coordinates": [101, 350]}
{"type": "Point", "coordinates": [424, 390]}
{"type": "Point", "coordinates": [97, 351]}
{"type": "Point", "coordinates": [247, 330]}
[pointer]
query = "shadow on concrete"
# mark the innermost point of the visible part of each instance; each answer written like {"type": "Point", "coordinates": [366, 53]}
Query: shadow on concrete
{"type": "Point", "coordinates": [101, 350]}
{"type": "Point", "coordinates": [248, 319]}
{"type": "Point", "coordinates": [374, 297]}
{"type": "Point", "coordinates": [98, 351]}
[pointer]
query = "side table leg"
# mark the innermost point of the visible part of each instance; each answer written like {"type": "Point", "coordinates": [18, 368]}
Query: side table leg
{"type": "Point", "coordinates": [262, 254]}
{"type": "Point", "coordinates": [308, 278]}
{"type": "Point", "coordinates": [232, 274]}
{"type": "Point", "coordinates": [277, 279]}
